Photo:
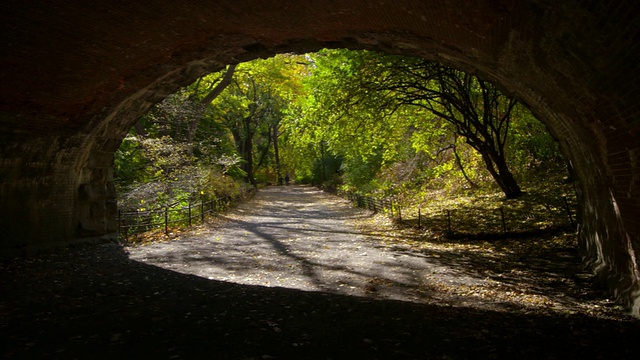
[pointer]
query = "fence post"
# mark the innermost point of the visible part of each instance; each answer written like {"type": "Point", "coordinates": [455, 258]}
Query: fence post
{"type": "Point", "coordinates": [121, 226]}
{"type": "Point", "coordinates": [189, 213]}
{"type": "Point", "coordinates": [504, 223]}
{"type": "Point", "coordinates": [419, 219]}
{"type": "Point", "coordinates": [166, 220]}
{"type": "Point", "coordinates": [566, 205]}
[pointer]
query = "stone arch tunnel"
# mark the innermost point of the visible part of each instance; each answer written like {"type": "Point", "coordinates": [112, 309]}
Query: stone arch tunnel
{"type": "Point", "coordinates": [76, 75]}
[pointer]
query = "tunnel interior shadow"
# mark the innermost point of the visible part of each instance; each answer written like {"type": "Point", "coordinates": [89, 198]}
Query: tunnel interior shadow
{"type": "Point", "coordinates": [96, 302]}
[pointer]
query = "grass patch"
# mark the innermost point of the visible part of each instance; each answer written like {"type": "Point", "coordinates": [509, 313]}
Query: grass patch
{"type": "Point", "coordinates": [546, 206]}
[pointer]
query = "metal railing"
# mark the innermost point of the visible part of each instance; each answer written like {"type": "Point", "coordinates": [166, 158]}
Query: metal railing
{"type": "Point", "coordinates": [131, 222]}
{"type": "Point", "coordinates": [372, 203]}
{"type": "Point", "coordinates": [484, 222]}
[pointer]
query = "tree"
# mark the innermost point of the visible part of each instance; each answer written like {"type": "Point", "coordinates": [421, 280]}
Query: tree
{"type": "Point", "coordinates": [180, 114]}
{"type": "Point", "coordinates": [371, 89]}
{"type": "Point", "coordinates": [165, 159]}
{"type": "Point", "coordinates": [214, 92]}
{"type": "Point", "coordinates": [475, 108]}
{"type": "Point", "coordinates": [354, 134]}
{"type": "Point", "coordinates": [253, 107]}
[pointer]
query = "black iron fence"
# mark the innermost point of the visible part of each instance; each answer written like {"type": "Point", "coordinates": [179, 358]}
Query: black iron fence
{"type": "Point", "coordinates": [131, 222]}
{"type": "Point", "coordinates": [472, 220]}
{"type": "Point", "coordinates": [372, 203]}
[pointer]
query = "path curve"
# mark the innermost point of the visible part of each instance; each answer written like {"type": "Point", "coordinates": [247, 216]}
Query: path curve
{"type": "Point", "coordinates": [301, 238]}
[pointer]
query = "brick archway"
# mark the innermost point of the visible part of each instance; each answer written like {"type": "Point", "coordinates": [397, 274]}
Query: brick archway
{"type": "Point", "coordinates": [75, 77]}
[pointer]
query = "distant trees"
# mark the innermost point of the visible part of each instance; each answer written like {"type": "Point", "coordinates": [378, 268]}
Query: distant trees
{"type": "Point", "coordinates": [357, 119]}
{"type": "Point", "coordinates": [253, 108]}
{"type": "Point", "coordinates": [373, 91]}
{"type": "Point", "coordinates": [224, 124]}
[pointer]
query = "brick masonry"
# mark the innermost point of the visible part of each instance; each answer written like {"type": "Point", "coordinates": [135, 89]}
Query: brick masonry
{"type": "Point", "coordinates": [76, 75]}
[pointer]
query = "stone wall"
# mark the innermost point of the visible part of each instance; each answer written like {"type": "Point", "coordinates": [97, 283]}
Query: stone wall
{"type": "Point", "coordinates": [76, 75]}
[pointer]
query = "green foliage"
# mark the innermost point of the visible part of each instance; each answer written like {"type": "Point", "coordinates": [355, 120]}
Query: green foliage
{"type": "Point", "coordinates": [253, 108]}
{"type": "Point", "coordinates": [160, 170]}
{"type": "Point", "coordinates": [130, 162]}
{"type": "Point", "coordinates": [188, 148]}
{"type": "Point", "coordinates": [403, 122]}
{"type": "Point", "coordinates": [532, 147]}
{"type": "Point", "coordinates": [380, 124]}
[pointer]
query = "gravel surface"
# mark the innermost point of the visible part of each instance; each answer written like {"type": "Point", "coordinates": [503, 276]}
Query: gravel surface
{"type": "Point", "coordinates": [288, 275]}
{"type": "Point", "coordinates": [299, 238]}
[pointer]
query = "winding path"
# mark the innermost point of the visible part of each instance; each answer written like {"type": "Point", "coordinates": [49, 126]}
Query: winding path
{"type": "Point", "coordinates": [301, 238]}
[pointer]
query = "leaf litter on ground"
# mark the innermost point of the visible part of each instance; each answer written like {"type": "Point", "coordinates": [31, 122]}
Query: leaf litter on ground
{"type": "Point", "coordinates": [536, 272]}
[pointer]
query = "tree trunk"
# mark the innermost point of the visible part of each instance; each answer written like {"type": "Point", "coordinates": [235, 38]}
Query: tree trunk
{"type": "Point", "coordinates": [265, 152]}
{"type": "Point", "coordinates": [226, 80]}
{"type": "Point", "coordinates": [459, 163]}
{"type": "Point", "coordinates": [510, 184]}
{"type": "Point", "coordinates": [497, 167]}
{"type": "Point", "coordinates": [322, 175]}
{"type": "Point", "coordinates": [248, 150]}
{"type": "Point", "coordinates": [276, 153]}
{"type": "Point", "coordinates": [140, 130]}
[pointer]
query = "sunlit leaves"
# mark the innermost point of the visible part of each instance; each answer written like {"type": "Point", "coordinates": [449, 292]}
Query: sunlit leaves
{"type": "Point", "coordinates": [368, 107]}
{"type": "Point", "coordinates": [369, 121]}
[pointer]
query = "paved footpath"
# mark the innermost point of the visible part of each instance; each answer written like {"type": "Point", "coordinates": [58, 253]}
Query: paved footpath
{"type": "Point", "coordinates": [301, 238]}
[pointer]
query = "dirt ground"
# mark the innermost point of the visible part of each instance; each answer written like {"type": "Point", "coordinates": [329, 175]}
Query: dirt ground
{"type": "Point", "coordinates": [299, 274]}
